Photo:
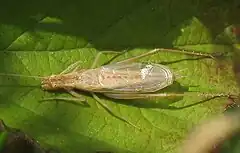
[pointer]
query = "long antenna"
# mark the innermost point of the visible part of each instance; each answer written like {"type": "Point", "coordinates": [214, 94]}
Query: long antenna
{"type": "Point", "coordinates": [20, 75]}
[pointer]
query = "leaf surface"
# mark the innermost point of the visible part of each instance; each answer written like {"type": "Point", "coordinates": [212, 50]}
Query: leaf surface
{"type": "Point", "coordinates": [44, 38]}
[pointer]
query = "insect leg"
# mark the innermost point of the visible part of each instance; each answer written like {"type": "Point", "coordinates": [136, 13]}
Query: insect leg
{"type": "Point", "coordinates": [99, 54]}
{"type": "Point", "coordinates": [75, 66]}
{"type": "Point", "coordinates": [71, 67]}
{"type": "Point", "coordinates": [75, 94]}
{"type": "Point", "coordinates": [75, 100]}
{"type": "Point", "coordinates": [145, 96]}
{"type": "Point", "coordinates": [154, 51]}
{"type": "Point", "coordinates": [110, 112]}
{"type": "Point", "coordinates": [141, 96]}
{"type": "Point", "coordinates": [78, 97]}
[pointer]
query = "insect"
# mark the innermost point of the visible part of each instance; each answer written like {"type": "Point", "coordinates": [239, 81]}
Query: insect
{"type": "Point", "coordinates": [125, 79]}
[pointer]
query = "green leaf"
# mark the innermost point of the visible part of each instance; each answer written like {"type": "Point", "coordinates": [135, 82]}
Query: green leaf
{"type": "Point", "coordinates": [45, 37]}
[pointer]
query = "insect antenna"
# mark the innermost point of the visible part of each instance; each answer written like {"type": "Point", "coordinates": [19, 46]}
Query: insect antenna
{"type": "Point", "coordinates": [20, 75]}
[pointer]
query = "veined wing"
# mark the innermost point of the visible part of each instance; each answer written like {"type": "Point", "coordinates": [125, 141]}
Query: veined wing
{"type": "Point", "coordinates": [134, 77]}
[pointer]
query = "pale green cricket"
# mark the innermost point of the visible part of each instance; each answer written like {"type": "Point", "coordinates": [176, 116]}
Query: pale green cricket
{"type": "Point", "coordinates": [125, 79]}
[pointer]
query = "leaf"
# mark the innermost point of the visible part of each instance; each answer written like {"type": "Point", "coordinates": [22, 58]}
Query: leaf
{"type": "Point", "coordinates": [44, 38]}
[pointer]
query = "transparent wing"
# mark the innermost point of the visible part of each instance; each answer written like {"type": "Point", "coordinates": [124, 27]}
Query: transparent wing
{"type": "Point", "coordinates": [135, 77]}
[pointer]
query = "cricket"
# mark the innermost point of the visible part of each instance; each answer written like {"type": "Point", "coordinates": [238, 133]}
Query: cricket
{"type": "Point", "coordinates": [126, 79]}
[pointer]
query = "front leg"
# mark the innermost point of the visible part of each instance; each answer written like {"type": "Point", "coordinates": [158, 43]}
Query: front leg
{"type": "Point", "coordinates": [76, 98]}
{"type": "Point", "coordinates": [72, 67]}
{"type": "Point", "coordinates": [96, 60]}
{"type": "Point", "coordinates": [72, 100]}
{"type": "Point", "coordinates": [75, 94]}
